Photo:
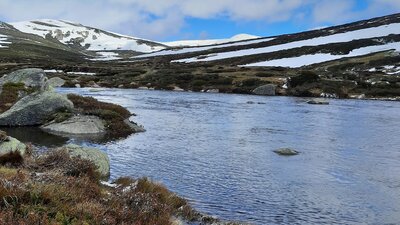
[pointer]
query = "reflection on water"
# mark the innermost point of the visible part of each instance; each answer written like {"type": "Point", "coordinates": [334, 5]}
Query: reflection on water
{"type": "Point", "coordinates": [35, 136]}
{"type": "Point", "coordinates": [216, 150]}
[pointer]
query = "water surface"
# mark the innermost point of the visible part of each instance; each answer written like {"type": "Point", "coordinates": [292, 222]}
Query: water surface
{"type": "Point", "coordinates": [216, 150]}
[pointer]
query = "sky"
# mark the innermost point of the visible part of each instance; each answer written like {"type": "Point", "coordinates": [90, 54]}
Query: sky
{"type": "Point", "coordinates": [169, 20]}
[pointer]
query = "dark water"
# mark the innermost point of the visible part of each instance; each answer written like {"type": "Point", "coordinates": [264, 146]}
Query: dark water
{"type": "Point", "coordinates": [216, 150]}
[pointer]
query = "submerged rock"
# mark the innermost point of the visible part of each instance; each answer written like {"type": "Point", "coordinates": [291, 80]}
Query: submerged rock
{"type": "Point", "coordinates": [268, 90]}
{"type": "Point", "coordinates": [33, 77]}
{"type": "Point", "coordinates": [99, 158]}
{"type": "Point", "coordinates": [286, 152]}
{"type": "Point", "coordinates": [35, 109]}
{"type": "Point", "coordinates": [77, 125]}
{"type": "Point", "coordinates": [318, 102]}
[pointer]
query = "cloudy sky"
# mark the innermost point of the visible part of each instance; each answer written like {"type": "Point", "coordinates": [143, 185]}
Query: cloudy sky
{"type": "Point", "coordinates": [166, 20]}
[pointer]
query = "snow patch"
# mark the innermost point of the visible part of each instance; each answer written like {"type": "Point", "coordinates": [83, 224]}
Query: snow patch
{"type": "Point", "coordinates": [372, 32]}
{"type": "Point", "coordinates": [204, 48]}
{"type": "Point", "coordinates": [53, 71]}
{"type": "Point", "coordinates": [3, 40]}
{"type": "Point", "coordinates": [81, 73]}
{"type": "Point", "coordinates": [197, 43]}
{"type": "Point", "coordinates": [106, 56]}
{"type": "Point", "coordinates": [306, 60]}
{"type": "Point", "coordinates": [95, 39]}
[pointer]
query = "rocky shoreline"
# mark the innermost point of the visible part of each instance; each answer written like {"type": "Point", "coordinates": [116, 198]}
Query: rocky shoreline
{"type": "Point", "coordinates": [66, 185]}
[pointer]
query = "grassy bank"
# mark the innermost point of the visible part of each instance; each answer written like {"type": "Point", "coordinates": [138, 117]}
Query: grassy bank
{"type": "Point", "coordinates": [57, 189]}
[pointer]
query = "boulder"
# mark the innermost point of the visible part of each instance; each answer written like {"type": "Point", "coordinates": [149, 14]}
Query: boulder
{"type": "Point", "coordinates": [12, 145]}
{"type": "Point", "coordinates": [286, 152]}
{"type": "Point", "coordinates": [92, 84]}
{"type": "Point", "coordinates": [99, 158]}
{"type": "Point", "coordinates": [267, 90]}
{"type": "Point", "coordinates": [318, 102]}
{"type": "Point", "coordinates": [77, 125]}
{"type": "Point", "coordinates": [35, 109]}
{"type": "Point", "coordinates": [135, 128]}
{"type": "Point", "coordinates": [34, 78]}
{"type": "Point", "coordinates": [56, 82]}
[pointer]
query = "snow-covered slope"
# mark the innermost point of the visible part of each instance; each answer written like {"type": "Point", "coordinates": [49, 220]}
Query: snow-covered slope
{"type": "Point", "coordinates": [367, 33]}
{"type": "Point", "coordinates": [196, 43]}
{"type": "Point", "coordinates": [89, 38]}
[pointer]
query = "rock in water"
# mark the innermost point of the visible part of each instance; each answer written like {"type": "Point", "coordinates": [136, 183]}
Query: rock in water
{"type": "Point", "coordinates": [34, 78]}
{"type": "Point", "coordinates": [56, 82]}
{"type": "Point", "coordinates": [267, 90]}
{"type": "Point", "coordinates": [35, 109]}
{"type": "Point", "coordinates": [12, 145]}
{"type": "Point", "coordinates": [99, 158]}
{"type": "Point", "coordinates": [286, 152]}
{"type": "Point", "coordinates": [318, 102]}
{"type": "Point", "coordinates": [77, 125]}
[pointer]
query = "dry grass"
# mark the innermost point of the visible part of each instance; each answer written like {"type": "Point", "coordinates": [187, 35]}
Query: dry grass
{"type": "Point", "coordinates": [57, 189]}
{"type": "Point", "coordinates": [114, 115]}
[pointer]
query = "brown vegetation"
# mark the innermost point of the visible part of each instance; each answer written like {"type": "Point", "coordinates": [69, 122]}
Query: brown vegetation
{"type": "Point", "coordinates": [113, 115]}
{"type": "Point", "coordinates": [10, 94]}
{"type": "Point", "coordinates": [57, 189]}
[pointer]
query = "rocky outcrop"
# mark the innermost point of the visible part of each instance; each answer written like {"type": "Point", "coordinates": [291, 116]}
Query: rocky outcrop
{"type": "Point", "coordinates": [99, 158]}
{"type": "Point", "coordinates": [9, 145]}
{"type": "Point", "coordinates": [56, 82]}
{"type": "Point", "coordinates": [77, 125]}
{"type": "Point", "coordinates": [34, 78]}
{"type": "Point", "coordinates": [135, 128]}
{"type": "Point", "coordinates": [318, 102]}
{"type": "Point", "coordinates": [286, 152]}
{"type": "Point", "coordinates": [35, 109]}
{"type": "Point", "coordinates": [267, 90]}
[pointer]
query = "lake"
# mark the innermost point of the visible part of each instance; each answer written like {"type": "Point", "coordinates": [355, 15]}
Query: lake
{"type": "Point", "coordinates": [217, 151]}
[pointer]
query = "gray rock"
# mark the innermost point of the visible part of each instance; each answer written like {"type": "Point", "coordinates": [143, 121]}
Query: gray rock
{"type": "Point", "coordinates": [318, 102]}
{"type": "Point", "coordinates": [77, 125]}
{"type": "Point", "coordinates": [286, 152]}
{"type": "Point", "coordinates": [35, 78]}
{"type": "Point", "coordinates": [99, 158]}
{"type": "Point", "coordinates": [136, 128]}
{"type": "Point", "coordinates": [268, 90]}
{"type": "Point", "coordinates": [35, 109]}
{"type": "Point", "coordinates": [56, 82]}
{"type": "Point", "coordinates": [12, 145]}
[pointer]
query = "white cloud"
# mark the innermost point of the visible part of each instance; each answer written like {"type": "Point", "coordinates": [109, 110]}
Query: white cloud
{"type": "Point", "coordinates": [157, 19]}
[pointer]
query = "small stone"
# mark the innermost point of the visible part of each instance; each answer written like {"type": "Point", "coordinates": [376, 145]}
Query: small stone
{"type": "Point", "coordinates": [318, 102]}
{"type": "Point", "coordinates": [286, 152]}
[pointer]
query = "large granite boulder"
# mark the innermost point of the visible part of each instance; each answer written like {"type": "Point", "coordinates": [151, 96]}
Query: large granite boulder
{"type": "Point", "coordinates": [77, 125]}
{"type": "Point", "coordinates": [268, 90]}
{"type": "Point", "coordinates": [99, 158]}
{"type": "Point", "coordinates": [35, 109]}
{"type": "Point", "coordinates": [56, 82]}
{"type": "Point", "coordinates": [32, 77]}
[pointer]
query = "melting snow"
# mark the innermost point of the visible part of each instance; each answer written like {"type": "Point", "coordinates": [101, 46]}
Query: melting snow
{"type": "Point", "coordinates": [372, 32]}
{"type": "Point", "coordinates": [81, 73]}
{"type": "Point", "coordinates": [3, 40]}
{"type": "Point", "coordinates": [306, 60]}
{"type": "Point", "coordinates": [204, 48]}
{"type": "Point", "coordinates": [97, 40]}
{"type": "Point", "coordinates": [105, 56]}
{"type": "Point", "coordinates": [197, 43]}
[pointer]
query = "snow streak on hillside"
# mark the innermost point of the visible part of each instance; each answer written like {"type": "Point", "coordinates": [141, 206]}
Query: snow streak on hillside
{"type": "Point", "coordinates": [205, 48]}
{"type": "Point", "coordinates": [372, 32]}
{"type": "Point", "coordinates": [306, 60]}
{"type": "Point", "coordinates": [90, 38]}
{"type": "Point", "coordinates": [197, 43]}
{"type": "Point", "coordinates": [3, 41]}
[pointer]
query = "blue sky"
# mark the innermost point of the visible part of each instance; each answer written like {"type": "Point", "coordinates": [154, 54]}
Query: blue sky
{"type": "Point", "coordinates": [167, 20]}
